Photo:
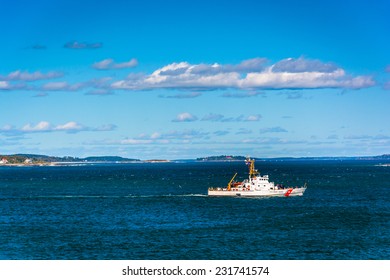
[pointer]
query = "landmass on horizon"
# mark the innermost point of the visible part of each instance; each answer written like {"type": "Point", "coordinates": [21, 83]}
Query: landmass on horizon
{"type": "Point", "coordinates": [33, 159]}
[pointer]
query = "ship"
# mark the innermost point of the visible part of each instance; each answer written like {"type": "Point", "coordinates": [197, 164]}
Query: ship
{"type": "Point", "coordinates": [255, 186]}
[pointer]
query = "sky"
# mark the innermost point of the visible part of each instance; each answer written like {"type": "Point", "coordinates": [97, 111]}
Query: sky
{"type": "Point", "coordinates": [186, 79]}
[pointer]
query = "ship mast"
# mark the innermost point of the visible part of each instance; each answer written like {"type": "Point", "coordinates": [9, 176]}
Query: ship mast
{"type": "Point", "coordinates": [252, 171]}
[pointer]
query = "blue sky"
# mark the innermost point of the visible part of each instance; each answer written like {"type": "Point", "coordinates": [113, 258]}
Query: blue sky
{"type": "Point", "coordinates": [183, 79]}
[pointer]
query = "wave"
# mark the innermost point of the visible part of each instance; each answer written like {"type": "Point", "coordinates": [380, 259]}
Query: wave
{"type": "Point", "coordinates": [168, 195]}
{"type": "Point", "coordinates": [108, 196]}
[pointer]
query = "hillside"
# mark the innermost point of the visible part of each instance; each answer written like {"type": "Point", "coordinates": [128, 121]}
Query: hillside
{"type": "Point", "coordinates": [33, 159]}
{"type": "Point", "coordinates": [43, 159]}
{"type": "Point", "coordinates": [385, 157]}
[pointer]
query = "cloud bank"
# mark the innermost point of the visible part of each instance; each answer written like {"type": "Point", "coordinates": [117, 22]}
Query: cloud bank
{"type": "Point", "coordinates": [108, 64]}
{"type": "Point", "coordinates": [246, 79]}
{"type": "Point", "coordinates": [188, 117]}
{"type": "Point", "coordinates": [45, 126]}
{"type": "Point", "coordinates": [185, 117]}
{"type": "Point", "coordinates": [19, 75]}
{"type": "Point", "coordinates": [241, 118]}
{"type": "Point", "coordinates": [290, 73]}
{"type": "Point", "coordinates": [82, 45]}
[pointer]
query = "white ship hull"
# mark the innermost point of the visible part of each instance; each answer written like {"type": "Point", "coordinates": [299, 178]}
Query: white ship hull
{"type": "Point", "coordinates": [257, 193]}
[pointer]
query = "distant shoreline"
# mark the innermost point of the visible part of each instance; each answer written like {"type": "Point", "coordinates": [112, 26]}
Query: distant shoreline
{"type": "Point", "coordinates": [25, 160]}
{"type": "Point", "coordinates": [78, 163]}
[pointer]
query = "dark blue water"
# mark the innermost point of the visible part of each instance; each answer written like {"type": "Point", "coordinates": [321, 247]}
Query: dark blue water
{"type": "Point", "coordinates": [161, 211]}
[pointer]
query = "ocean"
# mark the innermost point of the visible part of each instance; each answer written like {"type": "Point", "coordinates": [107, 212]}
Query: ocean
{"type": "Point", "coordinates": [160, 211]}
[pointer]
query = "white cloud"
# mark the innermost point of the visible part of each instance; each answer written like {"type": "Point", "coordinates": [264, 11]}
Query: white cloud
{"type": "Point", "coordinates": [104, 64]}
{"type": "Point", "coordinates": [82, 45]}
{"type": "Point", "coordinates": [4, 85]}
{"type": "Point", "coordinates": [27, 76]}
{"type": "Point", "coordinates": [249, 65]}
{"type": "Point", "coordinates": [55, 86]}
{"type": "Point", "coordinates": [18, 80]}
{"type": "Point", "coordinates": [105, 127]}
{"type": "Point", "coordinates": [40, 127]}
{"type": "Point", "coordinates": [253, 118]}
{"type": "Point", "coordinates": [300, 65]}
{"type": "Point", "coordinates": [135, 141]}
{"type": "Point", "coordinates": [304, 80]}
{"type": "Point", "coordinates": [221, 118]}
{"type": "Point", "coordinates": [109, 63]}
{"type": "Point", "coordinates": [272, 141]}
{"type": "Point", "coordinates": [70, 126]}
{"type": "Point", "coordinates": [213, 117]}
{"type": "Point", "coordinates": [290, 73]}
{"type": "Point", "coordinates": [174, 136]}
{"type": "Point", "coordinates": [62, 86]}
{"type": "Point", "coordinates": [185, 117]}
{"type": "Point", "coordinates": [7, 127]}
{"type": "Point", "coordinates": [185, 134]}
{"type": "Point", "coordinates": [248, 77]}
{"type": "Point", "coordinates": [179, 75]}
{"type": "Point", "coordinates": [244, 94]}
{"type": "Point", "coordinates": [44, 126]}
{"type": "Point", "coordinates": [155, 135]}
{"type": "Point", "coordinates": [276, 129]}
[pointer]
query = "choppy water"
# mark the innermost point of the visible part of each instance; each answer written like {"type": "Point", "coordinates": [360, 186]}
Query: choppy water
{"type": "Point", "coordinates": [161, 211]}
